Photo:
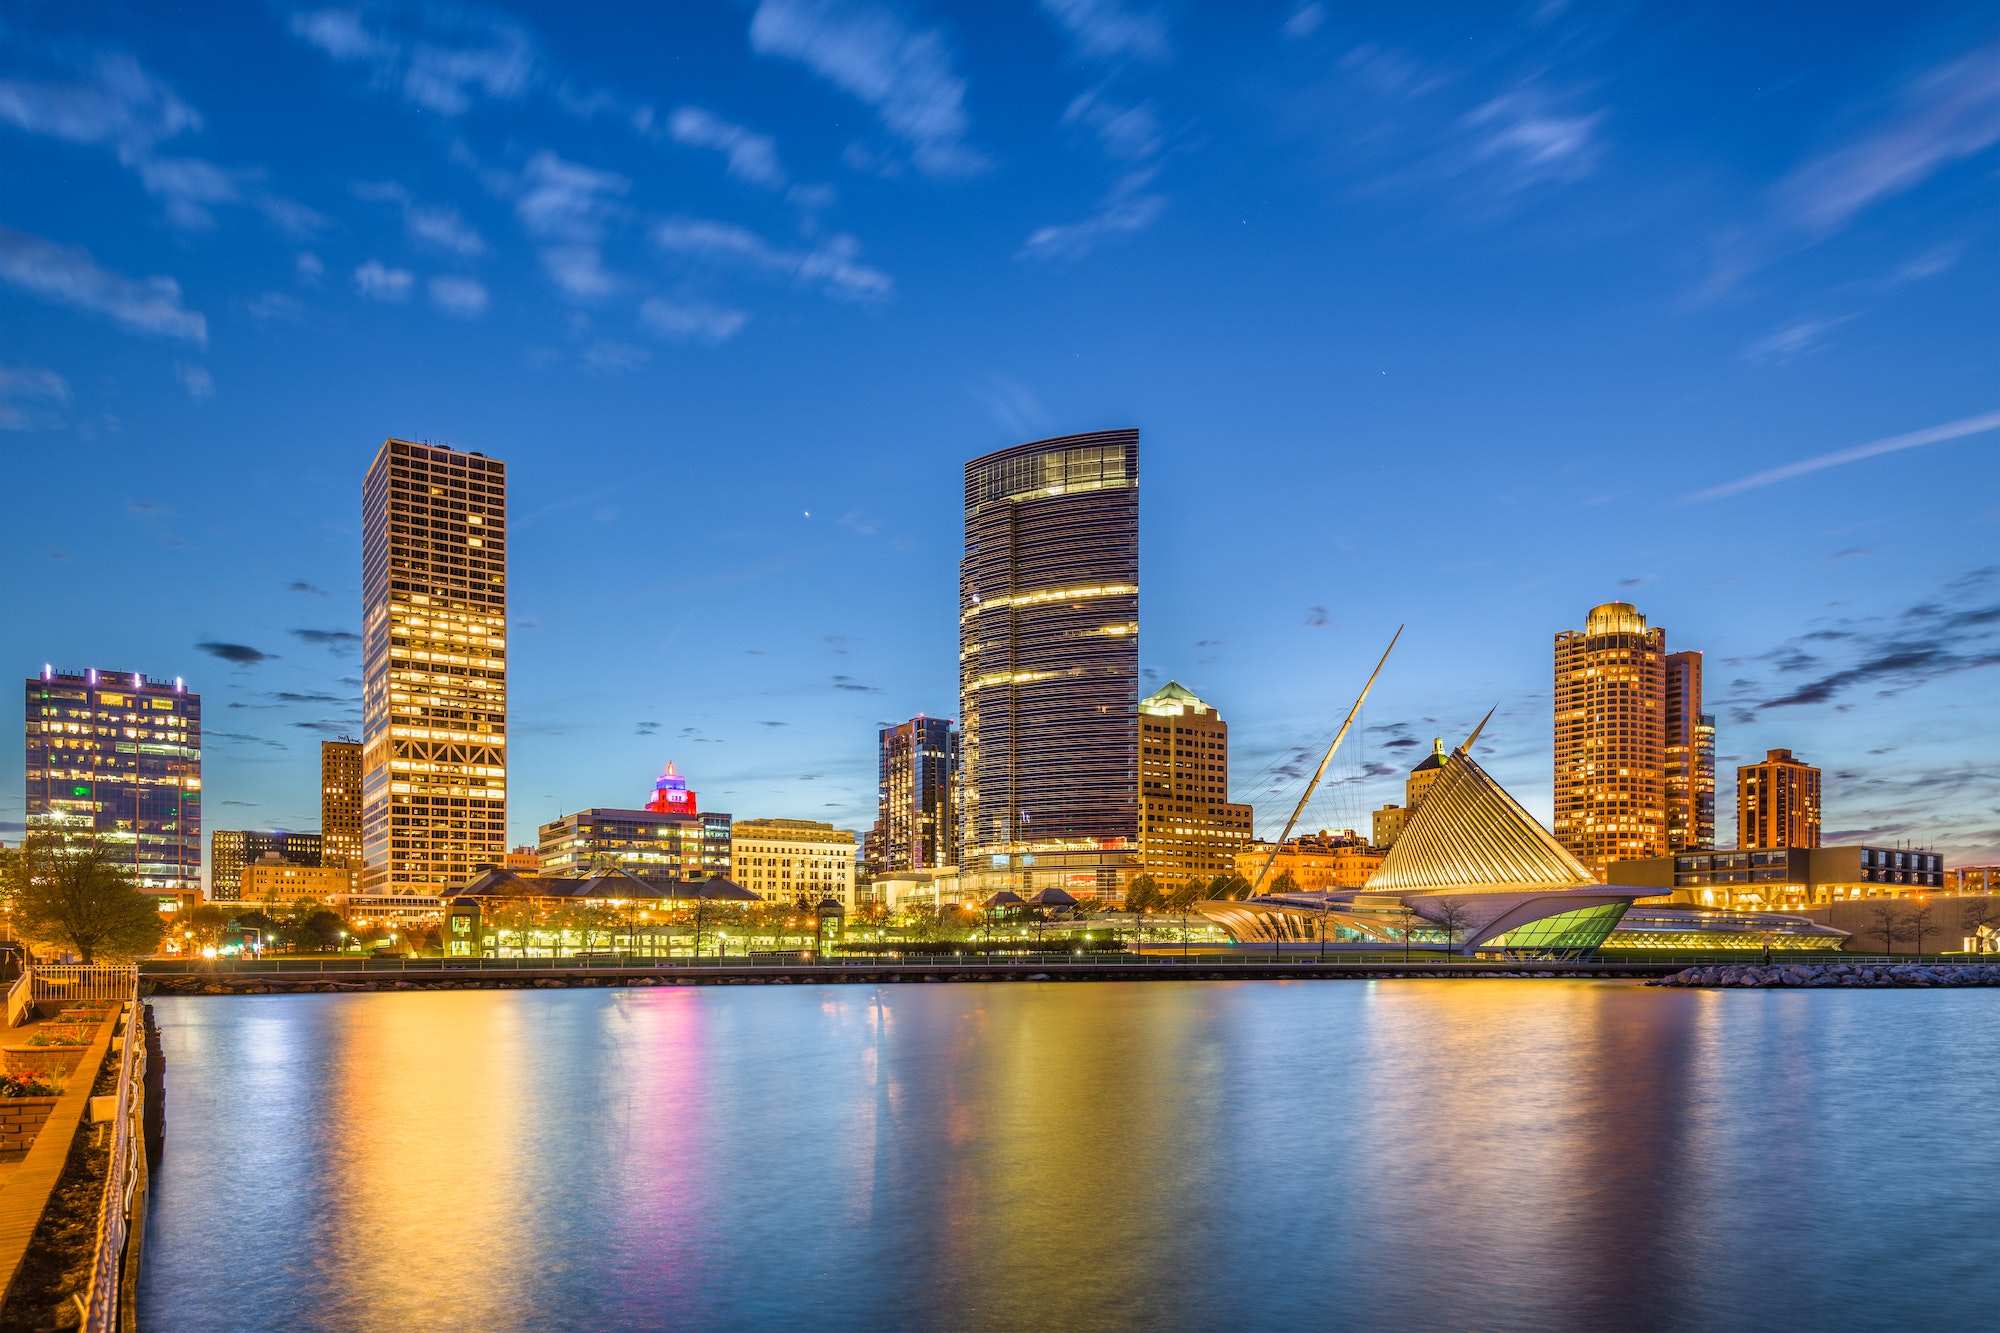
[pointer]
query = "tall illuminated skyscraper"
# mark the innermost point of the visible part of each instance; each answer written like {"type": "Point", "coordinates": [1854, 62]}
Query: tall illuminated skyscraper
{"type": "Point", "coordinates": [1048, 614]}
{"type": "Point", "coordinates": [434, 667]}
{"type": "Point", "coordinates": [916, 770]}
{"type": "Point", "coordinates": [1689, 757]}
{"type": "Point", "coordinates": [1777, 802]}
{"type": "Point", "coordinates": [1610, 738]}
{"type": "Point", "coordinates": [115, 756]}
{"type": "Point", "coordinates": [340, 803]}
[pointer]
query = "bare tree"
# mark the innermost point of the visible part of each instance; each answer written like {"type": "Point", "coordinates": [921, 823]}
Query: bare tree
{"type": "Point", "coordinates": [1454, 915]}
{"type": "Point", "coordinates": [1976, 912]}
{"type": "Point", "coordinates": [1922, 920]}
{"type": "Point", "coordinates": [1890, 922]}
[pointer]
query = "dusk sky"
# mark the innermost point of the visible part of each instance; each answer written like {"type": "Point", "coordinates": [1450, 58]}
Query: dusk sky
{"type": "Point", "coordinates": [1466, 318]}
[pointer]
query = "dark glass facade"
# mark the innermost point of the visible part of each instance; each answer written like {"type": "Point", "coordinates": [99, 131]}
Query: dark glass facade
{"type": "Point", "coordinates": [117, 756]}
{"type": "Point", "coordinates": [1049, 665]}
{"type": "Point", "coordinates": [915, 823]}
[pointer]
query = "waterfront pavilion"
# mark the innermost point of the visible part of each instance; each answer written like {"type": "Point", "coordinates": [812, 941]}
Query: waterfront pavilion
{"type": "Point", "coordinates": [560, 912]}
{"type": "Point", "coordinates": [1472, 872]}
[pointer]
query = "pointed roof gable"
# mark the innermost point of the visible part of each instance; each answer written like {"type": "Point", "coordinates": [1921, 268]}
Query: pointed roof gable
{"type": "Point", "coordinates": [1469, 835]}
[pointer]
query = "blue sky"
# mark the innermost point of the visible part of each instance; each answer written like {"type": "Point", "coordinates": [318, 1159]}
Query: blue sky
{"type": "Point", "coordinates": [1468, 318]}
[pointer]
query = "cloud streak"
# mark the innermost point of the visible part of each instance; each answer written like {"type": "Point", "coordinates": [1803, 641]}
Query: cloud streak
{"type": "Point", "coordinates": [870, 53]}
{"type": "Point", "coordinates": [1951, 430]}
{"type": "Point", "coordinates": [67, 275]}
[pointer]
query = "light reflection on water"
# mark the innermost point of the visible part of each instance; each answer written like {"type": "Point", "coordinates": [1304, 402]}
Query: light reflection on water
{"type": "Point", "coordinates": [1242, 1155]}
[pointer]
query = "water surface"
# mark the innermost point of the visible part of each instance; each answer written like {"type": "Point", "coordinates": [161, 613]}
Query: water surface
{"type": "Point", "coordinates": [1154, 1155]}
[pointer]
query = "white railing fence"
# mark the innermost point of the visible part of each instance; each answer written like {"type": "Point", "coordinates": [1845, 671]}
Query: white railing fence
{"type": "Point", "coordinates": [80, 981]}
{"type": "Point", "coordinates": [21, 996]}
{"type": "Point", "coordinates": [125, 1174]}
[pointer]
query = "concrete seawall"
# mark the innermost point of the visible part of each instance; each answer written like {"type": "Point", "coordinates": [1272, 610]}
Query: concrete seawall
{"type": "Point", "coordinates": [956, 970]}
{"type": "Point", "coordinates": [1838, 974]}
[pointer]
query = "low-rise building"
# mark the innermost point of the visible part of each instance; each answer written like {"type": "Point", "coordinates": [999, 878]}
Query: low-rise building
{"type": "Point", "coordinates": [273, 880]}
{"type": "Point", "coordinates": [1974, 879]}
{"type": "Point", "coordinates": [671, 837]}
{"type": "Point", "coordinates": [1315, 861]}
{"type": "Point", "coordinates": [230, 850]}
{"type": "Point", "coordinates": [1781, 877]}
{"type": "Point", "coordinates": [794, 859]}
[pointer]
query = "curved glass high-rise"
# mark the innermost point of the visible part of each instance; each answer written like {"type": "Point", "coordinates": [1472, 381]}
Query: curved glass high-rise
{"type": "Point", "coordinates": [1048, 609]}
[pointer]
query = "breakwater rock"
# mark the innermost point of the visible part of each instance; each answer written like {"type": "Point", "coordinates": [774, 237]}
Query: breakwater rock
{"type": "Point", "coordinates": [1838, 974]}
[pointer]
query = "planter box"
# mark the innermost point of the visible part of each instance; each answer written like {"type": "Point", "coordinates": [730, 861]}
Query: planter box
{"type": "Point", "coordinates": [53, 1059]}
{"type": "Point", "coordinates": [64, 1028]}
{"type": "Point", "coordinates": [21, 1119]}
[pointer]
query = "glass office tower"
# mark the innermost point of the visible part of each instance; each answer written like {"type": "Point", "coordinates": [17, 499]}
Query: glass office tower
{"type": "Point", "coordinates": [116, 756]}
{"type": "Point", "coordinates": [434, 667]}
{"type": "Point", "coordinates": [1049, 666]}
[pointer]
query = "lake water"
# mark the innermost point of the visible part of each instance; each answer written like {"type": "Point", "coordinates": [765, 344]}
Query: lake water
{"type": "Point", "coordinates": [1158, 1155]}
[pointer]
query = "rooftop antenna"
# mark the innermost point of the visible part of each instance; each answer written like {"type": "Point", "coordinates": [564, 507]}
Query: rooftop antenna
{"type": "Point", "coordinates": [1325, 759]}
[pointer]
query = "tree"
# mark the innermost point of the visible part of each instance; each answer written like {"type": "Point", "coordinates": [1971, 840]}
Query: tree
{"type": "Point", "coordinates": [1922, 920]}
{"type": "Point", "coordinates": [1976, 912]}
{"type": "Point", "coordinates": [1186, 896]}
{"type": "Point", "coordinates": [204, 924]}
{"type": "Point", "coordinates": [1143, 893]}
{"type": "Point", "coordinates": [313, 926]}
{"type": "Point", "coordinates": [1454, 915]}
{"type": "Point", "coordinates": [69, 892]}
{"type": "Point", "coordinates": [1284, 883]}
{"type": "Point", "coordinates": [1890, 922]}
{"type": "Point", "coordinates": [1224, 887]}
{"type": "Point", "coordinates": [1407, 917]}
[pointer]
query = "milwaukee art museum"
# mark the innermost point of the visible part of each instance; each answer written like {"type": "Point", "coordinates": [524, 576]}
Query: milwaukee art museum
{"type": "Point", "coordinates": [1473, 872]}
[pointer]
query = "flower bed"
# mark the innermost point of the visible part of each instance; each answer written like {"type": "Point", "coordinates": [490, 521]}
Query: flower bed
{"type": "Point", "coordinates": [25, 1103]}
{"type": "Point", "coordinates": [24, 1059]}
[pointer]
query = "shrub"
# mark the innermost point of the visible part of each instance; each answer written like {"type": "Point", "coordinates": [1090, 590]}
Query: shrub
{"type": "Point", "coordinates": [33, 1083]}
{"type": "Point", "coordinates": [58, 1039]}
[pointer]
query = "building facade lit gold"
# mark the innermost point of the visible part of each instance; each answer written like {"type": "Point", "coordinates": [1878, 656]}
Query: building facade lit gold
{"type": "Point", "coordinates": [1610, 738]}
{"type": "Point", "coordinates": [434, 676]}
{"type": "Point", "coordinates": [1328, 859]}
{"type": "Point", "coordinates": [1777, 803]}
{"type": "Point", "coordinates": [340, 804]}
{"type": "Point", "coordinates": [1188, 829]}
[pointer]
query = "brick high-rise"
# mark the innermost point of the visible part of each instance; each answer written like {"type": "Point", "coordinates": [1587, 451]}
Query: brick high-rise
{"type": "Point", "coordinates": [434, 667]}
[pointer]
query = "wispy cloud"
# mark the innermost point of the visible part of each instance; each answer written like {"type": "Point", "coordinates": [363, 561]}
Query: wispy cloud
{"type": "Point", "coordinates": [195, 379]}
{"type": "Point", "coordinates": [462, 297]}
{"type": "Point", "coordinates": [1956, 631]}
{"type": "Point", "coordinates": [339, 642]}
{"type": "Point", "coordinates": [1129, 208]}
{"type": "Point", "coordinates": [832, 267]}
{"type": "Point", "coordinates": [1110, 29]}
{"type": "Point", "coordinates": [693, 320]}
{"type": "Point", "coordinates": [1945, 115]}
{"type": "Point", "coordinates": [68, 275]}
{"type": "Point", "coordinates": [1013, 404]}
{"type": "Point", "coordinates": [752, 157]}
{"type": "Point", "coordinates": [1531, 140]}
{"type": "Point", "coordinates": [1799, 338]}
{"type": "Point", "coordinates": [462, 55]}
{"type": "Point", "coordinates": [437, 225]}
{"type": "Point", "coordinates": [614, 358]}
{"type": "Point", "coordinates": [28, 395]}
{"type": "Point", "coordinates": [378, 282]}
{"type": "Point", "coordinates": [1127, 132]}
{"type": "Point", "coordinates": [1951, 430]}
{"type": "Point", "coordinates": [566, 205]}
{"type": "Point", "coordinates": [304, 587]}
{"type": "Point", "coordinates": [872, 54]}
{"type": "Point", "coordinates": [115, 103]}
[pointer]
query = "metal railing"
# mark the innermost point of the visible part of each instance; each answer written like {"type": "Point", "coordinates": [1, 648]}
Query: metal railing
{"type": "Point", "coordinates": [21, 996]}
{"type": "Point", "coordinates": [352, 965]}
{"type": "Point", "coordinates": [83, 981]}
{"type": "Point", "coordinates": [123, 1174]}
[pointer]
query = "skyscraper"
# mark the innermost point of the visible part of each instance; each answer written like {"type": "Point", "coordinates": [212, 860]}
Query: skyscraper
{"type": "Point", "coordinates": [1610, 738]}
{"type": "Point", "coordinates": [1689, 757]}
{"type": "Point", "coordinates": [915, 825]}
{"type": "Point", "coordinates": [673, 837]}
{"type": "Point", "coordinates": [340, 803]}
{"type": "Point", "coordinates": [116, 756]}
{"type": "Point", "coordinates": [1188, 830]}
{"type": "Point", "coordinates": [434, 667]}
{"type": "Point", "coordinates": [1048, 614]}
{"type": "Point", "coordinates": [1777, 803]}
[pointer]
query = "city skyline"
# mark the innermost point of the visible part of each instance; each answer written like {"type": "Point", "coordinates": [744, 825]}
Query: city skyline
{"type": "Point", "coordinates": [1459, 384]}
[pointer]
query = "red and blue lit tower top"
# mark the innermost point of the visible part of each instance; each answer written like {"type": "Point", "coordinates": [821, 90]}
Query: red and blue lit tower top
{"type": "Point", "coordinates": [671, 795]}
